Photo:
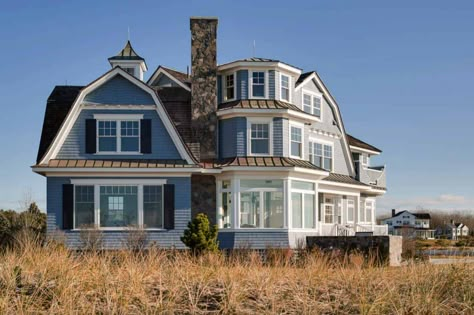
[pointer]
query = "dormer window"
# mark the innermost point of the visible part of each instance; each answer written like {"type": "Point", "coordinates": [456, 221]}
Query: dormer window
{"type": "Point", "coordinates": [258, 84]}
{"type": "Point", "coordinates": [312, 103]}
{"type": "Point", "coordinates": [285, 88]}
{"type": "Point", "coordinates": [229, 87]}
{"type": "Point", "coordinates": [118, 134]}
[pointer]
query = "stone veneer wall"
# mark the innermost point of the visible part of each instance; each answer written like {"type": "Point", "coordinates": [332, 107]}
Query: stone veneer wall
{"type": "Point", "coordinates": [203, 196]}
{"type": "Point", "coordinates": [204, 84]}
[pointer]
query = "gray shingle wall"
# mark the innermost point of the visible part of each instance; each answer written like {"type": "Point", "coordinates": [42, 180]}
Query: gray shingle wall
{"type": "Point", "coordinates": [74, 146]}
{"type": "Point", "coordinates": [115, 239]}
{"type": "Point", "coordinates": [119, 90]}
{"type": "Point", "coordinates": [271, 84]}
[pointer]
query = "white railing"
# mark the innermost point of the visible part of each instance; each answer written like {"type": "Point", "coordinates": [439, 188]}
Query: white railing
{"type": "Point", "coordinates": [350, 230]}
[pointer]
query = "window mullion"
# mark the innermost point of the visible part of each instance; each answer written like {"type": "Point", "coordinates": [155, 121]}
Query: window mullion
{"type": "Point", "coordinates": [140, 205]}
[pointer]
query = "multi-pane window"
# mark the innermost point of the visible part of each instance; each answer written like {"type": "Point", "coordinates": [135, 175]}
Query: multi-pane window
{"type": "Point", "coordinates": [296, 142]}
{"type": "Point", "coordinates": [350, 209]}
{"type": "Point", "coordinates": [126, 140]}
{"type": "Point", "coordinates": [307, 105]}
{"type": "Point", "coordinates": [312, 104]}
{"type": "Point", "coordinates": [84, 205]}
{"type": "Point", "coordinates": [107, 136]}
{"type": "Point", "coordinates": [327, 162]}
{"type": "Point", "coordinates": [285, 87]}
{"type": "Point", "coordinates": [153, 206]}
{"type": "Point", "coordinates": [369, 205]}
{"type": "Point", "coordinates": [328, 210]}
{"type": "Point", "coordinates": [118, 206]}
{"type": "Point", "coordinates": [229, 87]}
{"type": "Point", "coordinates": [258, 84]}
{"type": "Point", "coordinates": [260, 138]}
{"type": "Point", "coordinates": [129, 132]}
{"type": "Point", "coordinates": [261, 204]}
{"type": "Point", "coordinates": [321, 155]}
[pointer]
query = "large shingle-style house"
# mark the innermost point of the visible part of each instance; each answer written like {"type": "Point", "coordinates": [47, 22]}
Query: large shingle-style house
{"type": "Point", "coordinates": [452, 230]}
{"type": "Point", "coordinates": [257, 144]}
{"type": "Point", "coordinates": [412, 225]}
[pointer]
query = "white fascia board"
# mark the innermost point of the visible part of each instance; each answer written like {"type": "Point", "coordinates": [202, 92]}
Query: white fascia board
{"type": "Point", "coordinates": [273, 169]}
{"type": "Point", "coordinates": [362, 150]}
{"type": "Point", "coordinates": [118, 116]}
{"type": "Point", "coordinates": [361, 187]}
{"type": "Point", "coordinates": [259, 64]}
{"type": "Point", "coordinates": [163, 71]}
{"type": "Point", "coordinates": [121, 181]}
{"type": "Point", "coordinates": [287, 113]}
{"type": "Point", "coordinates": [76, 109]}
{"type": "Point", "coordinates": [309, 78]}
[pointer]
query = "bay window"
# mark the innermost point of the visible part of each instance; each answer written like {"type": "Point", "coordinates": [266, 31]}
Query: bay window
{"type": "Point", "coordinates": [229, 87]}
{"type": "Point", "coordinates": [260, 138]}
{"type": "Point", "coordinates": [285, 87]}
{"type": "Point", "coordinates": [258, 84]}
{"type": "Point", "coordinates": [261, 204]}
{"type": "Point", "coordinates": [112, 206]}
{"type": "Point", "coordinates": [296, 143]}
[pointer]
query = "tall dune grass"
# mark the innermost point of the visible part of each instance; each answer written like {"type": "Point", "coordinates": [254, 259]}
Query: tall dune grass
{"type": "Point", "coordinates": [51, 279]}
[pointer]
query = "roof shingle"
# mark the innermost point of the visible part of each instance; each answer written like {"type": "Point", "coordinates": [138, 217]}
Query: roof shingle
{"type": "Point", "coordinates": [361, 144]}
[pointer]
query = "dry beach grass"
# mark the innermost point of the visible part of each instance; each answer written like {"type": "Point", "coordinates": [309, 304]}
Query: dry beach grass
{"type": "Point", "coordinates": [53, 280]}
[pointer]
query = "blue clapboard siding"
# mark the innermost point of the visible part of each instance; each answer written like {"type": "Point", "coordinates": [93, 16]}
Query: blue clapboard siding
{"type": "Point", "coordinates": [74, 147]}
{"type": "Point", "coordinates": [253, 239]}
{"type": "Point", "coordinates": [280, 136]}
{"type": "Point", "coordinates": [115, 239]}
{"type": "Point", "coordinates": [242, 84]}
{"type": "Point", "coordinates": [119, 90]}
{"type": "Point", "coordinates": [233, 137]}
{"type": "Point", "coordinates": [271, 84]}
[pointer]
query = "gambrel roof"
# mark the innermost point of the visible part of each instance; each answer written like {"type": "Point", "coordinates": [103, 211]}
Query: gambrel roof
{"type": "Point", "coordinates": [353, 141]}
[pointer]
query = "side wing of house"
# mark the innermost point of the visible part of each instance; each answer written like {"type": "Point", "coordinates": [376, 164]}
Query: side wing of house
{"type": "Point", "coordinates": [117, 162]}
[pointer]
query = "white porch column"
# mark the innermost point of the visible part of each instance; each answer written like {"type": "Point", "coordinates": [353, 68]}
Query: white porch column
{"type": "Point", "coordinates": [235, 203]}
{"type": "Point", "coordinates": [357, 210]}
{"type": "Point", "coordinates": [316, 207]}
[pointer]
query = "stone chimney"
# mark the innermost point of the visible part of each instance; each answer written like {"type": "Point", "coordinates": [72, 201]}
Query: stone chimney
{"type": "Point", "coordinates": [204, 85]}
{"type": "Point", "coordinates": [394, 212]}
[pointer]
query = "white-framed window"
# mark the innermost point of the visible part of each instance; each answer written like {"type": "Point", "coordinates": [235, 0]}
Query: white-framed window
{"type": "Point", "coordinates": [328, 207]}
{"type": "Point", "coordinates": [350, 209]}
{"type": "Point", "coordinates": [225, 215]}
{"type": "Point", "coordinates": [285, 88]}
{"type": "Point", "coordinates": [258, 84]}
{"type": "Point", "coordinates": [321, 155]}
{"type": "Point", "coordinates": [296, 141]}
{"type": "Point", "coordinates": [118, 206]}
{"type": "Point", "coordinates": [229, 87]}
{"type": "Point", "coordinates": [366, 210]}
{"type": "Point", "coordinates": [303, 205]}
{"type": "Point", "coordinates": [118, 133]}
{"type": "Point", "coordinates": [260, 136]}
{"type": "Point", "coordinates": [369, 207]}
{"type": "Point", "coordinates": [312, 103]}
{"type": "Point", "coordinates": [261, 204]}
{"type": "Point", "coordinates": [129, 70]}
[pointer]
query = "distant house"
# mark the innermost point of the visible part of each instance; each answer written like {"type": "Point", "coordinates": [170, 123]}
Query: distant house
{"type": "Point", "coordinates": [414, 225]}
{"type": "Point", "coordinates": [452, 230]}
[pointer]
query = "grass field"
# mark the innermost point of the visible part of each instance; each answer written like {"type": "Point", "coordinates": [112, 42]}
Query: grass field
{"type": "Point", "coordinates": [53, 280]}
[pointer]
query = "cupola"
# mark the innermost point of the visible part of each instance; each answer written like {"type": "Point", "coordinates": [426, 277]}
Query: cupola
{"type": "Point", "coordinates": [129, 61]}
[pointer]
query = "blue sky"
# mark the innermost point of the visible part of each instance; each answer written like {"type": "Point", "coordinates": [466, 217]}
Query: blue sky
{"type": "Point", "coordinates": [401, 72]}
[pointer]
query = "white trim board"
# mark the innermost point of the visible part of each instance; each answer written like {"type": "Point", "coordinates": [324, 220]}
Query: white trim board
{"type": "Point", "coordinates": [76, 109]}
{"type": "Point", "coordinates": [161, 70]}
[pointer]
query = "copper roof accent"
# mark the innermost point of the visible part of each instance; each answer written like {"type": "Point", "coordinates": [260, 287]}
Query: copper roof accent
{"type": "Point", "coordinates": [260, 104]}
{"type": "Point", "coordinates": [127, 53]}
{"type": "Point", "coordinates": [353, 141]}
{"type": "Point", "coordinates": [118, 164]}
{"type": "Point", "coordinates": [344, 179]}
{"type": "Point", "coordinates": [258, 161]}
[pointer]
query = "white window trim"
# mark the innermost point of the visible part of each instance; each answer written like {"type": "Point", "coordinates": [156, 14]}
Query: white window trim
{"type": "Point", "coordinates": [97, 183]}
{"type": "Point", "coordinates": [224, 85]}
{"type": "Point", "coordinates": [312, 94]}
{"type": "Point", "coordinates": [304, 192]}
{"type": "Point", "coordinates": [354, 200]}
{"type": "Point", "coordinates": [301, 126]}
{"type": "Point", "coordinates": [265, 84]}
{"type": "Point", "coordinates": [290, 92]}
{"type": "Point", "coordinates": [118, 118]}
{"type": "Point", "coordinates": [259, 120]}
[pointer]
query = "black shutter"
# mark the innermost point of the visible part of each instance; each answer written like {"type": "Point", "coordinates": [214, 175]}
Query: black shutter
{"type": "Point", "coordinates": [68, 206]}
{"type": "Point", "coordinates": [168, 191]}
{"type": "Point", "coordinates": [145, 136]}
{"type": "Point", "coordinates": [91, 136]}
